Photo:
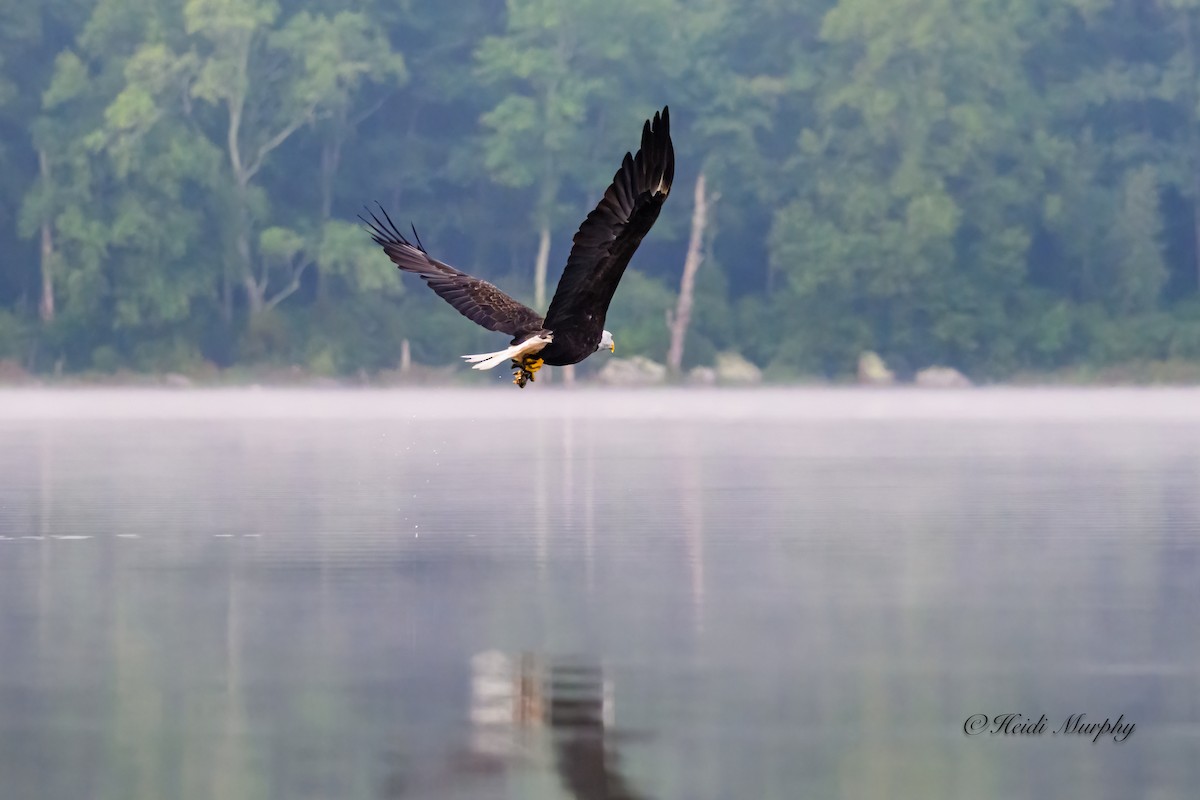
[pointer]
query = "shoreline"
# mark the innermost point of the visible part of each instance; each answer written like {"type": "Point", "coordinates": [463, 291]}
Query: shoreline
{"type": "Point", "coordinates": [1176, 375]}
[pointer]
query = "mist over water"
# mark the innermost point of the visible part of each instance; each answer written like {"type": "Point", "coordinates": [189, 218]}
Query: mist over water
{"type": "Point", "coordinates": [596, 594]}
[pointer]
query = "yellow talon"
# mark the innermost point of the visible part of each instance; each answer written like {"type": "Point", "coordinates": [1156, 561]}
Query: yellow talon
{"type": "Point", "coordinates": [521, 376]}
{"type": "Point", "coordinates": [524, 370]}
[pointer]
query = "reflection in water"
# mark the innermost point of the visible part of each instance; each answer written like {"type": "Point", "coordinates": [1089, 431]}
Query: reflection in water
{"type": "Point", "coordinates": [521, 704]}
{"type": "Point", "coordinates": [212, 608]}
{"type": "Point", "coordinates": [692, 499]}
{"type": "Point", "coordinates": [581, 718]}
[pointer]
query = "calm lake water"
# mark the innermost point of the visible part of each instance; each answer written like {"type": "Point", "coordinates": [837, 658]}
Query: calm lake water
{"type": "Point", "coordinates": [597, 594]}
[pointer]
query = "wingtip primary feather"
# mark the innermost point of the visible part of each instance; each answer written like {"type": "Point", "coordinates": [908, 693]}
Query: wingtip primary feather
{"type": "Point", "coordinates": [391, 225]}
{"type": "Point", "coordinates": [661, 124]}
{"type": "Point", "coordinates": [385, 232]}
{"type": "Point", "coordinates": [664, 150]}
{"type": "Point", "coordinates": [382, 233]}
{"type": "Point", "coordinates": [374, 227]}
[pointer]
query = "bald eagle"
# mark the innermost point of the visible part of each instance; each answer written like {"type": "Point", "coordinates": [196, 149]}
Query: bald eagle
{"type": "Point", "coordinates": [573, 327]}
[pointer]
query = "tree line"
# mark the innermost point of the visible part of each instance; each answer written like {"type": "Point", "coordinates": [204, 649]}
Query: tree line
{"type": "Point", "coordinates": [995, 185]}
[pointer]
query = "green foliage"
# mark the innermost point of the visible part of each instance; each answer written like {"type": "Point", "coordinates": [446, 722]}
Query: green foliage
{"type": "Point", "coordinates": [346, 253]}
{"type": "Point", "coordinates": [105, 358]}
{"type": "Point", "coordinates": [344, 340]}
{"type": "Point", "coordinates": [1139, 268]}
{"type": "Point", "coordinates": [280, 244]}
{"type": "Point", "coordinates": [564, 87]}
{"type": "Point", "coordinates": [268, 338]}
{"type": "Point", "coordinates": [639, 313]}
{"type": "Point", "coordinates": [995, 186]}
{"type": "Point", "coordinates": [14, 336]}
{"type": "Point", "coordinates": [176, 353]}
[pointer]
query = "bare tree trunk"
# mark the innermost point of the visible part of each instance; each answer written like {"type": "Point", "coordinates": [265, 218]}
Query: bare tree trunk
{"type": "Point", "coordinates": [568, 375]}
{"type": "Point", "coordinates": [256, 291]}
{"type": "Point", "coordinates": [255, 300]}
{"type": "Point", "coordinates": [255, 294]}
{"type": "Point", "coordinates": [46, 305]}
{"type": "Point", "coordinates": [539, 270]}
{"type": "Point", "coordinates": [236, 103]}
{"type": "Point", "coordinates": [682, 317]}
{"type": "Point", "coordinates": [405, 357]}
{"type": "Point", "coordinates": [244, 167]}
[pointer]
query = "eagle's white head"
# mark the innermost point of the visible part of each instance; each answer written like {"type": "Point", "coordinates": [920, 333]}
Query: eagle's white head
{"type": "Point", "coordinates": [606, 340]}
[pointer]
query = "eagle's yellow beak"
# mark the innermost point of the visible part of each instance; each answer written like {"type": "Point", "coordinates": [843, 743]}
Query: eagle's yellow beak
{"type": "Point", "coordinates": [612, 348]}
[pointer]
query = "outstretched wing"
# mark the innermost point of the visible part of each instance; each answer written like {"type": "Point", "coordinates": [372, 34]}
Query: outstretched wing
{"type": "Point", "coordinates": [477, 300]}
{"type": "Point", "coordinates": [612, 232]}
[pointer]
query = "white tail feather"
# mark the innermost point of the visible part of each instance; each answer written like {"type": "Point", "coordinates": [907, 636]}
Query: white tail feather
{"type": "Point", "coordinates": [489, 360]}
{"type": "Point", "coordinates": [476, 358]}
{"type": "Point", "coordinates": [527, 347]}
